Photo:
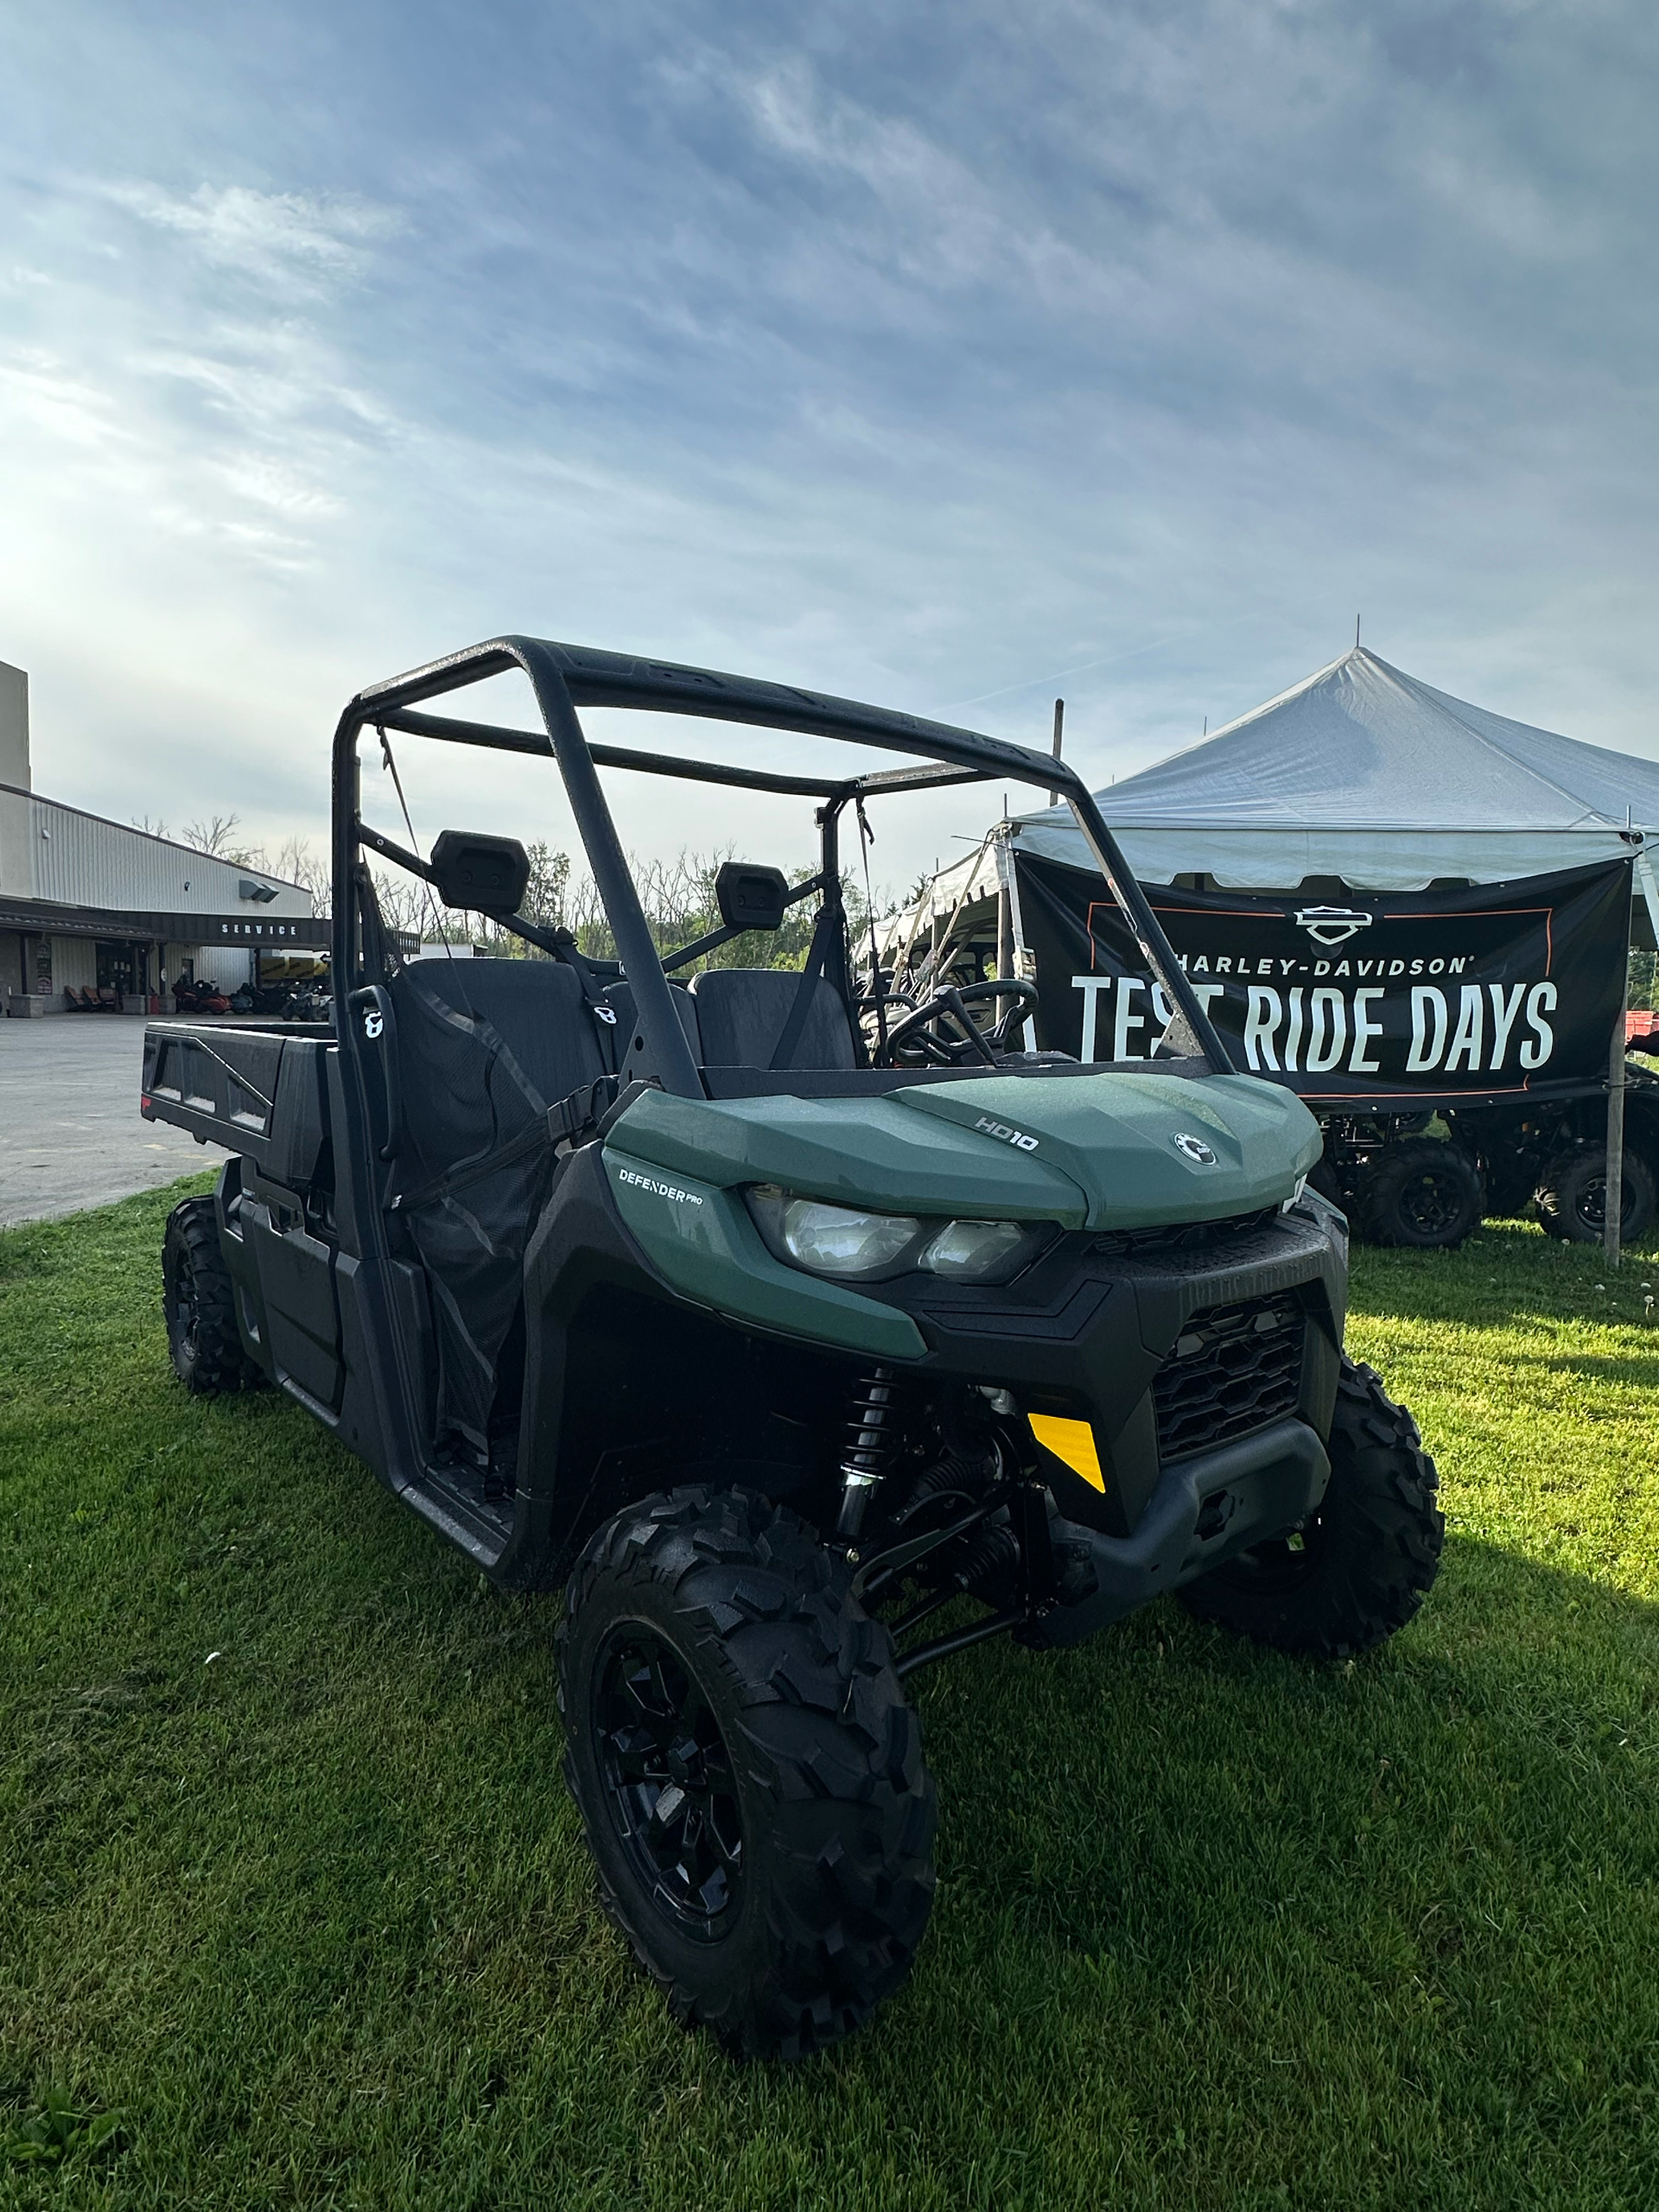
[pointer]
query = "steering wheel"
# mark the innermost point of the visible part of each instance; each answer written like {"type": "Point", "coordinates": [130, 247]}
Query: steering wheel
{"type": "Point", "coordinates": [942, 1033]}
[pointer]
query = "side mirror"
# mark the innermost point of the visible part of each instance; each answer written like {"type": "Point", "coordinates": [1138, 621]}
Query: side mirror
{"type": "Point", "coordinates": [750, 898]}
{"type": "Point", "coordinates": [488, 874]}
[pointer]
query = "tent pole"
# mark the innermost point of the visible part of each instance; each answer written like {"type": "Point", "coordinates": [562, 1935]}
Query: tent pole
{"type": "Point", "coordinates": [1614, 1221]}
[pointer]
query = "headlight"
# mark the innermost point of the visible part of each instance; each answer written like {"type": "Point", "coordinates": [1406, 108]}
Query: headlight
{"type": "Point", "coordinates": [970, 1250]}
{"type": "Point", "coordinates": [831, 1240]}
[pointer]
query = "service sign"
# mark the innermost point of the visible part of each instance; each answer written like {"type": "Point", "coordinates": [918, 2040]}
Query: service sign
{"type": "Point", "coordinates": [1493, 992]}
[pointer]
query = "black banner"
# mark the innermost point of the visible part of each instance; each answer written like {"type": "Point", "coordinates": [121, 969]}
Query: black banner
{"type": "Point", "coordinates": [1495, 992]}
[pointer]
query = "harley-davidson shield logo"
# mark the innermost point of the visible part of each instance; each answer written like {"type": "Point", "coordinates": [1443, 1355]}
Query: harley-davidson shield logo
{"type": "Point", "coordinates": [1332, 924]}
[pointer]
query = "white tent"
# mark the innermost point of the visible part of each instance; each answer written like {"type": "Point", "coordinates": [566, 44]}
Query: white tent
{"type": "Point", "coordinates": [1360, 773]}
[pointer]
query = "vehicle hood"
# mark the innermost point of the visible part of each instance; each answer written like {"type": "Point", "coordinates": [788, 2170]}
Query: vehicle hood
{"type": "Point", "coordinates": [1109, 1150]}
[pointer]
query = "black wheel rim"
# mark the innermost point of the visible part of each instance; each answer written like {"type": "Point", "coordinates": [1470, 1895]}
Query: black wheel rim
{"type": "Point", "coordinates": [1593, 1206]}
{"type": "Point", "coordinates": [1431, 1203]}
{"type": "Point", "coordinates": [669, 1779]}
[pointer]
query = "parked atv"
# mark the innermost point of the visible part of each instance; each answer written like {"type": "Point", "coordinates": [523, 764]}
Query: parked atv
{"type": "Point", "coordinates": [310, 1003]}
{"type": "Point", "coordinates": [808, 1340]}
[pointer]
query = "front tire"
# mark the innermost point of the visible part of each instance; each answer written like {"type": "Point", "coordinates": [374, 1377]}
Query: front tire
{"type": "Point", "coordinates": [1360, 1567]}
{"type": "Point", "coordinates": [199, 1299]}
{"type": "Point", "coordinates": [748, 1769]}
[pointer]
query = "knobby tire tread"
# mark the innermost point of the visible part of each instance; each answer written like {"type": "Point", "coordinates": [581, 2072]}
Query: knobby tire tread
{"type": "Point", "coordinates": [1561, 1184]}
{"type": "Point", "coordinates": [219, 1363]}
{"type": "Point", "coordinates": [1380, 1540]}
{"type": "Point", "coordinates": [830, 1746]}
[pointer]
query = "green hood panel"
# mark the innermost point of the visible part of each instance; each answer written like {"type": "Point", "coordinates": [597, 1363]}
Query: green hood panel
{"type": "Point", "coordinates": [1135, 1143]}
{"type": "Point", "coordinates": [1097, 1151]}
{"type": "Point", "coordinates": [864, 1151]}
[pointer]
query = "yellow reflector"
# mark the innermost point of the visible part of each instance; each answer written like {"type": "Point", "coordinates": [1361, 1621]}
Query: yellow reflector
{"type": "Point", "coordinates": [1072, 1441]}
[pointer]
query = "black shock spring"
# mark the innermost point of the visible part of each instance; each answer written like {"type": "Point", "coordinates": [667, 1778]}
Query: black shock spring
{"type": "Point", "coordinates": [867, 1409]}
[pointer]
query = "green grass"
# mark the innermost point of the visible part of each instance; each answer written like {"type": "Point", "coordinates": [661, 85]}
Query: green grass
{"type": "Point", "coordinates": [290, 1883]}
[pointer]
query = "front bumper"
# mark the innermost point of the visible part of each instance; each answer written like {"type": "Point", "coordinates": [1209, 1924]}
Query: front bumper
{"type": "Point", "coordinates": [1203, 1511]}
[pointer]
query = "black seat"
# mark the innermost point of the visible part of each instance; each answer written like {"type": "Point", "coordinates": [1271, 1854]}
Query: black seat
{"type": "Point", "coordinates": [529, 1011]}
{"type": "Point", "coordinates": [484, 1047]}
{"type": "Point", "coordinates": [741, 1013]}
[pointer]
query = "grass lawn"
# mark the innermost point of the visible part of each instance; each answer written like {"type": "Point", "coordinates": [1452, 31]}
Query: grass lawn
{"type": "Point", "coordinates": [289, 1880]}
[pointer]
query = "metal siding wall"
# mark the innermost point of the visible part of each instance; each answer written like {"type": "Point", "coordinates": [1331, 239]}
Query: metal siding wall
{"type": "Point", "coordinates": [82, 861]}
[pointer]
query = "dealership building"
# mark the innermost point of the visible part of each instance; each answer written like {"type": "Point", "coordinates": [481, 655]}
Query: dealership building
{"type": "Point", "coordinates": [89, 906]}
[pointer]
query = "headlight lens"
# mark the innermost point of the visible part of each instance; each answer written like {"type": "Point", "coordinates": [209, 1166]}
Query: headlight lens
{"type": "Point", "coordinates": [832, 1240]}
{"type": "Point", "coordinates": [970, 1250]}
{"type": "Point", "coordinates": [845, 1241]}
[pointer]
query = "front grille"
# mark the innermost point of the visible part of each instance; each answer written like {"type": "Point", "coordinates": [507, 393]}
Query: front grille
{"type": "Point", "coordinates": [1179, 1236]}
{"type": "Point", "coordinates": [1234, 1370]}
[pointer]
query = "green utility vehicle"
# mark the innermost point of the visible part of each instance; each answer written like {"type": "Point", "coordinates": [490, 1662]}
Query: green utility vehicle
{"type": "Point", "coordinates": [807, 1335]}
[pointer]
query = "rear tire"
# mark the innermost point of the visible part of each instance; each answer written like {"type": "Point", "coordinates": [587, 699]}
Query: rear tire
{"type": "Point", "coordinates": [713, 1660]}
{"type": "Point", "coordinates": [1366, 1557]}
{"type": "Point", "coordinates": [1573, 1197]}
{"type": "Point", "coordinates": [199, 1299]}
{"type": "Point", "coordinates": [1423, 1193]}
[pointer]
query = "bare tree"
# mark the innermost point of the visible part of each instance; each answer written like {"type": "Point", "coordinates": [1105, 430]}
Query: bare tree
{"type": "Point", "coordinates": [216, 836]}
{"type": "Point", "coordinates": [295, 863]}
{"type": "Point", "coordinates": [406, 903]}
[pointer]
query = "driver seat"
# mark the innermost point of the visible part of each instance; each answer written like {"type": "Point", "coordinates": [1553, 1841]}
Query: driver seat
{"type": "Point", "coordinates": [741, 1013]}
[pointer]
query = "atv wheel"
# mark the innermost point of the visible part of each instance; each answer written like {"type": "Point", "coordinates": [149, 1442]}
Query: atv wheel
{"type": "Point", "coordinates": [748, 1772]}
{"type": "Point", "coordinates": [1573, 1197]}
{"type": "Point", "coordinates": [1360, 1567]}
{"type": "Point", "coordinates": [1424, 1192]}
{"type": "Point", "coordinates": [200, 1299]}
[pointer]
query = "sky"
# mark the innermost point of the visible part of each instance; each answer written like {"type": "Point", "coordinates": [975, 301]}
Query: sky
{"type": "Point", "coordinates": [952, 358]}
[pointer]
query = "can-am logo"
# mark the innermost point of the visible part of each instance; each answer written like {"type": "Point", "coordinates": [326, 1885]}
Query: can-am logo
{"type": "Point", "coordinates": [1007, 1135]}
{"type": "Point", "coordinates": [1194, 1147]}
{"type": "Point", "coordinates": [1332, 924]}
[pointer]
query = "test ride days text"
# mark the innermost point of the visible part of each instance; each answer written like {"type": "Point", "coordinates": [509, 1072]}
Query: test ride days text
{"type": "Point", "coordinates": [1315, 1027]}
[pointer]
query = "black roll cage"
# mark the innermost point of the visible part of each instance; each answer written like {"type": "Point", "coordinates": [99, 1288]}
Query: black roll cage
{"type": "Point", "coordinates": [564, 677]}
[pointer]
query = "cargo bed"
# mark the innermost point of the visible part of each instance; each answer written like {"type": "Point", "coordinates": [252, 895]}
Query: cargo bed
{"type": "Point", "coordinates": [255, 1087]}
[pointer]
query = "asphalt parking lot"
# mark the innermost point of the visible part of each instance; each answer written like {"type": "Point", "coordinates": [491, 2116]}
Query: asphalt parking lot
{"type": "Point", "coordinates": [70, 1135]}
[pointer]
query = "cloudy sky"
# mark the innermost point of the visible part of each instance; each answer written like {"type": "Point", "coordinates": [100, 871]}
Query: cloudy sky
{"type": "Point", "coordinates": [946, 356]}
